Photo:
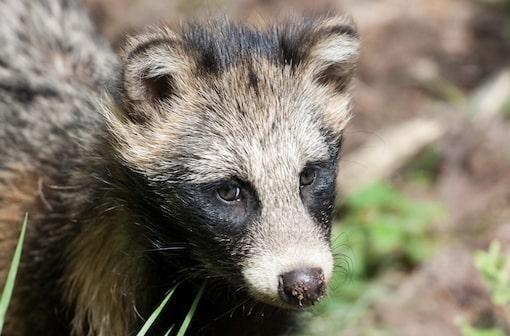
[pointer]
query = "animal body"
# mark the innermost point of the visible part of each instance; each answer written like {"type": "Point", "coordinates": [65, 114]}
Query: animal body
{"type": "Point", "coordinates": [202, 154]}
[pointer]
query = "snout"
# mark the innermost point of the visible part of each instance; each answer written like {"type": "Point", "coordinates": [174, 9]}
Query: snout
{"type": "Point", "coordinates": [302, 287]}
{"type": "Point", "coordinates": [293, 278]}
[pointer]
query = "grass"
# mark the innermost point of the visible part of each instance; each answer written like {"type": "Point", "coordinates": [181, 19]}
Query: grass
{"type": "Point", "coordinates": [191, 312]}
{"type": "Point", "coordinates": [187, 320]}
{"type": "Point", "coordinates": [11, 276]}
{"type": "Point", "coordinates": [155, 314]}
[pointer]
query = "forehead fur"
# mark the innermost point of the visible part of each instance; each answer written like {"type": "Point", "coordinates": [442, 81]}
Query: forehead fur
{"type": "Point", "coordinates": [238, 94]}
{"type": "Point", "coordinates": [241, 127]}
{"type": "Point", "coordinates": [219, 125]}
{"type": "Point", "coordinates": [220, 44]}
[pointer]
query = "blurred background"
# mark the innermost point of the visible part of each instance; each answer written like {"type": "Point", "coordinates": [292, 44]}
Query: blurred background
{"type": "Point", "coordinates": [422, 232]}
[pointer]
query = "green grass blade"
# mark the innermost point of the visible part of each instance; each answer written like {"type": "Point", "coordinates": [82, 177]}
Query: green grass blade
{"type": "Point", "coordinates": [155, 314]}
{"type": "Point", "coordinates": [169, 331]}
{"type": "Point", "coordinates": [191, 312]}
{"type": "Point", "coordinates": [11, 276]}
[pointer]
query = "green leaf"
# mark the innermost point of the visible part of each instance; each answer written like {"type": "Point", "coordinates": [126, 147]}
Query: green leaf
{"type": "Point", "coordinates": [11, 276]}
{"type": "Point", "coordinates": [191, 312]}
{"type": "Point", "coordinates": [155, 314]}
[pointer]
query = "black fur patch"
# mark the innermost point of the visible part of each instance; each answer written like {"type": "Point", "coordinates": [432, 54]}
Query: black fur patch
{"type": "Point", "coordinates": [178, 212]}
{"type": "Point", "coordinates": [319, 197]}
{"type": "Point", "coordinates": [24, 92]}
{"type": "Point", "coordinates": [225, 44]}
{"type": "Point", "coordinates": [199, 207]}
{"type": "Point", "coordinates": [253, 80]}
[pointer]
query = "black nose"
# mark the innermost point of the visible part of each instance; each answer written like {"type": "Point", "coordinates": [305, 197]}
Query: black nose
{"type": "Point", "coordinates": [302, 287]}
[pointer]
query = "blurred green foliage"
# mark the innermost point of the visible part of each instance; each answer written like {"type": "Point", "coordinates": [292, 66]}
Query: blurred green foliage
{"type": "Point", "coordinates": [424, 169]}
{"type": "Point", "coordinates": [506, 107]}
{"type": "Point", "coordinates": [386, 230]}
{"type": "Point", "coordinates": [468, 330]}
{"type": "Point", "coordinates": [493, 267]}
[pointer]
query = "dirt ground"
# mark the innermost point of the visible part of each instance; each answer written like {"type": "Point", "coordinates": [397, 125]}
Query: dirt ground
{"type": "Point", "coordinates": [419, 58]}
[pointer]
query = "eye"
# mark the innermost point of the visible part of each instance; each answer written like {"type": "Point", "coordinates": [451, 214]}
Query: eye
{"type": "Point", "coordinates": [307, 176]}
{"type": "Point", "coordinates": [229, 192]}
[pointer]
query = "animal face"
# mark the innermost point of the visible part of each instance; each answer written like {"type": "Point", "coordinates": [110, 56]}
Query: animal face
{"type": "Point", "coordinates": [238, 133]}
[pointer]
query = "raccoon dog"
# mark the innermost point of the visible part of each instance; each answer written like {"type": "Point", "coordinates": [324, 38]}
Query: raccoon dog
{"type": "Point", "coordinates": [205, 154]}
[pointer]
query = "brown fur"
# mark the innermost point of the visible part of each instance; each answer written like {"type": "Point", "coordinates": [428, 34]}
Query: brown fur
{"type": "Point", "coordinates": [96, 278]}
{"type": "Point", "coordinates": [21, 192]}
{"type": "Point", "coordinates": [20, 189]}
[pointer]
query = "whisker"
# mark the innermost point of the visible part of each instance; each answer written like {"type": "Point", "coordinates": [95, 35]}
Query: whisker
{"type": "Point", "coordinates": [167, 249]}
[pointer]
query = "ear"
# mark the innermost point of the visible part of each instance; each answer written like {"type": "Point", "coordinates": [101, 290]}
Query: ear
{"type": "Point", "coordinates": [334, 53]}
{"type": "Point", "coordinates": [152, 65]}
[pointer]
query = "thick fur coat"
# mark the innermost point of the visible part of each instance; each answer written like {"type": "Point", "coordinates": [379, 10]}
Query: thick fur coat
{"type": "Point", "coordinates": [119, 164]}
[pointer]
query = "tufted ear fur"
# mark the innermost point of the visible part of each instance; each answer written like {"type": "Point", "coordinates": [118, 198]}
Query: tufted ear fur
{"type": "Point", "coordinates": [333, 54]}
{"type": "Point", "coordinates": [152, 67]}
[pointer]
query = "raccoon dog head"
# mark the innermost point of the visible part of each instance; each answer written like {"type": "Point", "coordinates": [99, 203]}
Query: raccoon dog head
{"type": "Point", "coordinates": [236, 133]}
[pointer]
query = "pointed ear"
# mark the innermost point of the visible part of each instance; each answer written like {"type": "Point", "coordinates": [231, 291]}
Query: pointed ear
{"type": "Point", "coordinates": [152, 65]}
{"type": "Point", "coordinates": [334, 54]}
